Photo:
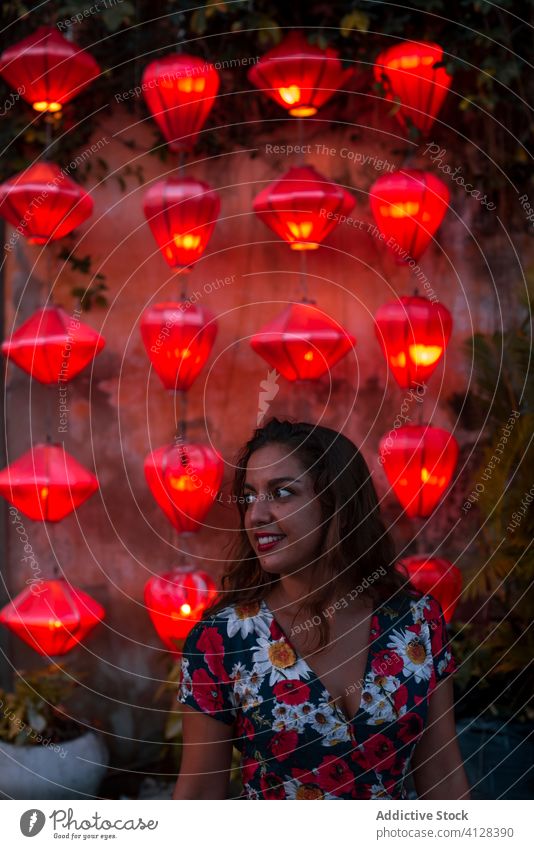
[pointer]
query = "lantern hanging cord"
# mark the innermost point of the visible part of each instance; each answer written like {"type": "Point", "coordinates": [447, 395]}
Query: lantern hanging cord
{"type": "Point", "coordinates": [48, 416]}
{"type": "Point", "coordinates": [48, 136]}
{"type": "Point", "coordinates": [183, 287]}
{"type": "Point", "coordinates": [182, 423]}
{"type": "Point", "coordinates": [303, 277]}
{"type": "Point", "coordinates": [421, 405]}
{"type": "Point", "coordinates": [300, 134]}
{"type": "Point", "coordinates": [55, 566]}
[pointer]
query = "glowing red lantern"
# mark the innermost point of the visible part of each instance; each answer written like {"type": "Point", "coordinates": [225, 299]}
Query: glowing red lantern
{"type": "Point", "coordinates": [413, 333]}
{"type": "Point", "coordinates": [411, 72]}
{"type": "Point", "coordinates": [180, 91]}
{"type": "Point", "coordinates": [52, 616]}
{"type": "Point", "coordinates": [52, 345]}
{"type": "Point", "coordinates": [408, 207]}
{"type": "Point", "coordinates": [302, 207]}
{"type": "Point", "coordinates": [303, 342]}
{"type": "Point", "coordinates": [419, 462]}
{"type": "Point", "coordinates": [47, 69]}
{"type": "Point", "coordinates": [46, 483]}
{"type": "Point", "coordinates": [181, 215]}
{"type": "Point", "coordinates": [43, 203]}
{"type": "Point", "coordinates": [176, 601]}
{"type": "Point", "coordinates": [178, 337]}
{"type": "Point", "coordinates": [299, 76]}
{"type": "Point", "coordinates": [435, 576]}
{"type": "Point", "coordinates": [184, 479]}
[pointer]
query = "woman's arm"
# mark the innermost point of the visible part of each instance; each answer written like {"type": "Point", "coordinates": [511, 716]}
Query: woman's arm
{"type": "Point", "coordinates": [437, 764]}
{"type": "Point", "coordinates": [206, 757]}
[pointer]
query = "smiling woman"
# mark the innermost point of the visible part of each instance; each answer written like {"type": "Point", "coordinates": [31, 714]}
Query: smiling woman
{"type": "Point", "coordinates": [341, 708]}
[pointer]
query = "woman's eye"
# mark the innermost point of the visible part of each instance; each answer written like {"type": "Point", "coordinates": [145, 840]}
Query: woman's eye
{"type": "Point", "coordinates": [283, 489]}
{"type": "Point", "coordinates": [249, 496]}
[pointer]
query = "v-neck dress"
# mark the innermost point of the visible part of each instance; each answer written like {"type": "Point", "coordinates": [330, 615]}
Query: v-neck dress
{"type": "Point", "coordinates": [240, 668]}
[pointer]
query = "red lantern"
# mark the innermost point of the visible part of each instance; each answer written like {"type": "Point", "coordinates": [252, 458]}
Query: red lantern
{"type": "Point", "coordinates": [413, 332]}
{"type": "Point", "coordinates": [178, 338]}
{"type": "Point", "coordinates": [419, 462]}
{"type": "Point", "coordinates": [52, 616]}
{"type": "Point", "coordinates": [303, 342]}
{"type": "Point", "coordinates": [298, 76]}
{"type": "Point", "coordinates": [302, 207]}
{"type": "Point", "coordinates": [435, 576]}
{"type": "Point", "coordinates": [181, 215]}
{"type": "Point", "coordinates": [53, 346]}
{"type": "Point", "coordinates": [409, 74]}
{"type": "Point", "coordinates": [43, 204]}
{"type": "Point", "coordinates": [180, 91]}
{"type": "Point", "coordinates": [46, 483]}
{"type": "Point", "coordinates": [184, 479]}
{"type": "Point", "coordinates": [47, 69]}
{"type": "Point", "coordinates": [408, 207]}
{"type": "Point", "coordinates": [176, 601]}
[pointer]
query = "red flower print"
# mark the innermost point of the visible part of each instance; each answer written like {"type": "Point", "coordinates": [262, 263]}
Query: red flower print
{"type": "Point", "coordinates": [211, 643]}
{"type": "Point", "coordinates": [387, 662]}
{"type": "Point", "coordinates": [291, 692]}
{"type": "Point", "coordinates": [307, 776]}
{"type": "Point", "coordinates": [390, 787]}
{"type": "Point", "coordinates": [380, 752]}
{"type": "Point", "coordinates": [283, 744]}
{"type": "Point", "coordinates": [206, 691]}
{"type": "Point", "coordinates": [400, 697]}
{"type": "Point", "coordinates": [450, 667]}
{"type": "Point", "coordinates": [244, 726]}
{"type": "Point", "coordinates": [248, 769]}
{"type": "Point", "coordinates": [410, 727]}
{"type": "Point", "coordinates": [272, 786]}
{"type": "Point", "coordinates": [358, 755]}
{"type": "Point", "coordinates": [375, 627]}
{"type": "Point", "coordinates": [415, 629]}
{"type": "Point", "coordinates": [334, 776]}
{"type": "Point", "coordinates": [433, 611]}
{"type": "Point", "coordinates": [363, 791]}
{"type": "Point", "coordinates": [276, 631]}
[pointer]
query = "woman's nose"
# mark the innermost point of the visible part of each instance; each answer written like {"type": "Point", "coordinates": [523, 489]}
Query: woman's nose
{"type": "Point", "coordinates": [260, 510]}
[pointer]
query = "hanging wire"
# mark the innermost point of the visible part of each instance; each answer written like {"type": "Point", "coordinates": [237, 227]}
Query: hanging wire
{"type": "Point", "coordinates": [181, 431]}
{"type": "Point", "coordinates": [303, 276]}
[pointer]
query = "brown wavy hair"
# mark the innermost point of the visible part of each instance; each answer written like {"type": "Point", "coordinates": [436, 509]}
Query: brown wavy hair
{"type": "Point", "coordinates": [355, 544]}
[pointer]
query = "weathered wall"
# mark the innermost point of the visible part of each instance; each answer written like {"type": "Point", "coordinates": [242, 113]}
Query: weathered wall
{"type": "Point", "coordinates": [119, 537]}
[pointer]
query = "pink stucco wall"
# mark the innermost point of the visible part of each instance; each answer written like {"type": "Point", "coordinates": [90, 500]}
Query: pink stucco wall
{"type": "Point", "coordinates": [117, 412]}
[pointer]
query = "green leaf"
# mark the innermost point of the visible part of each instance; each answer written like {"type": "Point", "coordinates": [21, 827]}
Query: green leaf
{"type": "Point", "coordinates": [354, 21]}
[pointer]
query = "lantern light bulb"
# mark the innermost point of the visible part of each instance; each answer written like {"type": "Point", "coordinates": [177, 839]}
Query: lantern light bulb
{"type": "Point", "coordinates": [424, 355]}
{"type": "Point", "coordinates": [46, 106]}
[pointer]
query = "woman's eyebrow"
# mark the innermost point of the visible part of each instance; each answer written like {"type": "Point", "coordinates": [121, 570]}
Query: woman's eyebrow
{"type": "Point", "coordinates": [273, 482]}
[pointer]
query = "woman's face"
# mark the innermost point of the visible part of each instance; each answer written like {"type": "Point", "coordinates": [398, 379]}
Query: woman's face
{"type": "Point", "coordinates": [282, 512]}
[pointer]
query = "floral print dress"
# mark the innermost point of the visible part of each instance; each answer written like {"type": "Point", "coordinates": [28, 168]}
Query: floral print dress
{"type": "Point", "coordinates": [240, 668]}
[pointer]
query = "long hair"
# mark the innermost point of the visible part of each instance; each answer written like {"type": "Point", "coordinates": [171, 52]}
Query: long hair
{"type": "Point", "coordinates": [356, 553]}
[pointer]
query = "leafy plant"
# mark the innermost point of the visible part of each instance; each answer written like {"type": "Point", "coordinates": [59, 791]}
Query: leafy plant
{"type": "Point", "coordinates": [35, 710]}
{"type": "Point", "coordinates": [498, 644]}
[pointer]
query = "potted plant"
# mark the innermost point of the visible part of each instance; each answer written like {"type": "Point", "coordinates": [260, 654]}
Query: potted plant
{"type": "Point", "coordinates": [495, 643]}
{"type": "Point", "coordinates": [44, 753]}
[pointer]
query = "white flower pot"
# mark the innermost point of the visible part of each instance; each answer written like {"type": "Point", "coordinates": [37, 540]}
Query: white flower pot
{"type": "Point", "coordinates": [72, 769]}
